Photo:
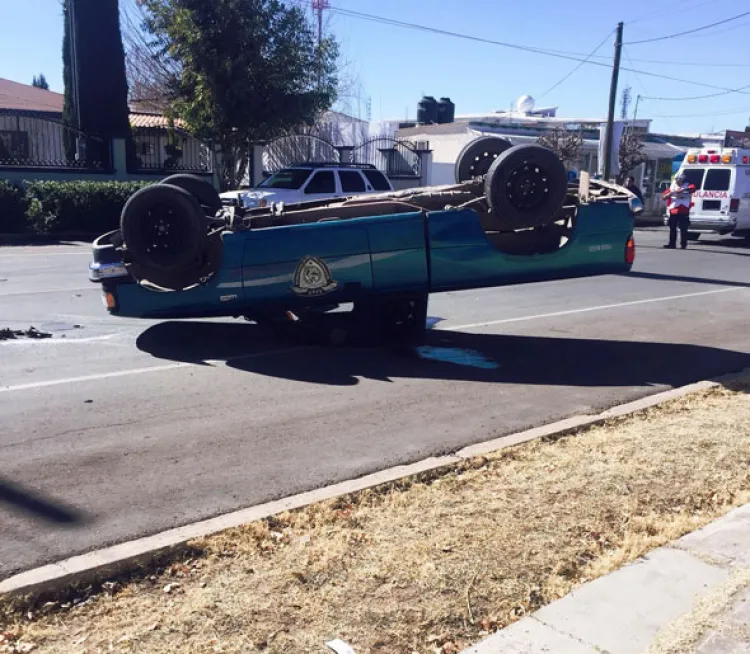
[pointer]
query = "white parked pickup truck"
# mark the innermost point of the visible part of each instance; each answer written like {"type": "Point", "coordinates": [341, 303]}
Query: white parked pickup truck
{"type": "Point", "coordinates": [306, 182]}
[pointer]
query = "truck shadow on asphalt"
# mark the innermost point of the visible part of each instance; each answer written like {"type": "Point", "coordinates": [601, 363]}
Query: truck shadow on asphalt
{"type": "Point", "coordinates": [444, 355]}
{"type": "Point", "coordinates": [733, 246]}
{"type": "Point", "coordinates": [685, 278]}
{"type": "Point", "coordinates": [22, 500]}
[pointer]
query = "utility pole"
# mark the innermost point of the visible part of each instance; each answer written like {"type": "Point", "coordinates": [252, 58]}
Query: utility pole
{"type": "Point", "coordinates": [612, 104]}
{"type": "Point", "coordinates": [318, 7]}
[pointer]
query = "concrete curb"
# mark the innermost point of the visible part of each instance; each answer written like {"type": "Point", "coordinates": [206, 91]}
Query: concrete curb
{"type": "Point", "coordinates": [97, 566]}
{"type": "Point", "coordinates": [685, 596]}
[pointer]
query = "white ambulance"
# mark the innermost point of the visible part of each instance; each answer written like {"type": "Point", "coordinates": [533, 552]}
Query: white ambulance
{"type": "Point", "coordinates": [721, 203]}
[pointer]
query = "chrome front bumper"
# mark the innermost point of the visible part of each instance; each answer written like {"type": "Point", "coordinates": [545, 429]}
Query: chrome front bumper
{"type": "Point", "coordinates": [101, 271]}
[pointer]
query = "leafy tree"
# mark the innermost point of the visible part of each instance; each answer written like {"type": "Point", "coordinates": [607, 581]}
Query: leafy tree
{"type": "Point", "coordinates": [249, 70]}
{"type": "Point", "coordinates": [564, 143]}
{"type": "Point", "coordinates": [630, 154]}
{"type": "Point", "coordinates": [100, 62]}
{"type": "Point", "coordinates": [40, 82]}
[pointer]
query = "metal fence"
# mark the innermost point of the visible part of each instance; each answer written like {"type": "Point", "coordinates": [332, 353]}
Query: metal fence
{"type": "Point", "coordinates": [394, 158]}
{"type": "Point", "coordinates": [32, 142]}
{"type": "Point", "coordinates": [297, 148]}
{"type": "Point", "coordinates": [158, 151]}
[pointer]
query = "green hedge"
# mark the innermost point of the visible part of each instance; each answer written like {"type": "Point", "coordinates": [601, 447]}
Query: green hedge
{"type": "Point", "coordinates": [92, 207]}
{"type": "Point", "coordinates": [13, 207]}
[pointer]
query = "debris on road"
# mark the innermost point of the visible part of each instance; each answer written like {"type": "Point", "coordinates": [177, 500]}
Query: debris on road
{"type": "Point", "coordinates": [340, 647]}
{"type": "Point", "coordinates": [7, 334]}
{"type": "Point", "coordinates": [434, 562]}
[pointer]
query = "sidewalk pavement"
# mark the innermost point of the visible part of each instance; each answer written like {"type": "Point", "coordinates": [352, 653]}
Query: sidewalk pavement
{"type": "Point", "coordinates": [690, 597]}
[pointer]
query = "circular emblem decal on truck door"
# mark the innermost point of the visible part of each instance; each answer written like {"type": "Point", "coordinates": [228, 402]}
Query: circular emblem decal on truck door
{"type": "Point", "coordinates": [313, 278]}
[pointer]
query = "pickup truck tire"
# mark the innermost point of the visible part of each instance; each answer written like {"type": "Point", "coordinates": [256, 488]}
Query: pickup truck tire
{"type": "Point", "coordinates": [525, 187]}
{"type": "Point", "coordinates": [163, 228]}
{"type": "Point", "coordinates": [476, 157]}
{"type": "Point", "coordinates": [205, 193]}
{"type": "Point", "coordinates": [401, 320]}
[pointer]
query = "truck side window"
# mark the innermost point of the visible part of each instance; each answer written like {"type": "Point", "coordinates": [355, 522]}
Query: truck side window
{"type": "Point", "coordinates": [717, 179]}
{"type": "Point", "coordinates": [377, 180]}
{"type": "Point", "coordinates": [322, 182]}
{"type": "Point", "coordinates": [351, 181]}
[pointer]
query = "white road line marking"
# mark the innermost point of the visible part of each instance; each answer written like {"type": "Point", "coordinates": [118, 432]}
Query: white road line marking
{"type": "Point", "coordinates": [85, 378]}
{"type": "Point", "coordinates": [171, 366]}
{"type": "Point", "coordinates": [29, 342]}
{"type": "Point", "coordinates": [602, 307]}
{"type": "Point", "coordinates": [138, 371]}
{"type": "Point", "coordinates": [15, 255]}
{"type": "Point", "coordinates": [52, 290]}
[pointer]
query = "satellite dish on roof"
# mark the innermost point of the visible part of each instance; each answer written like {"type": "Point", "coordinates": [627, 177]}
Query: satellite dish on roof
{"type": "Point", "coordinates": [525, 104]}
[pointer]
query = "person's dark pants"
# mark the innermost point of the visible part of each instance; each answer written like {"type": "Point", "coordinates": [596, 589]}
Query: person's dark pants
{"type": "Point", "coordinates": [681, 222]}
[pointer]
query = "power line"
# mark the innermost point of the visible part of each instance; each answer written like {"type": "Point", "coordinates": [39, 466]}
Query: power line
{"type": "Point", "coordinates": [661, 62]}
{"type": "Point", "coordinates": [713, 113]}
{"type": "Point", "coordinates": [515, 46]}
{"type": "Point", "coordinates": [696, 97]}
{"type": "Point", "coordinates": [683, 7]}
{"type": "Point", "coordinates": [711, 35]}
{"type": "Point", "coordinates": [435, 30]}
{"type": "Point", "coordinates": [637, 77]}
{"type": "Point", "coordinates": [692, 31]}
{"type": "Point", "coordinates": [593, 52]}
{"type": "Point", "coordinates": [693, 64]}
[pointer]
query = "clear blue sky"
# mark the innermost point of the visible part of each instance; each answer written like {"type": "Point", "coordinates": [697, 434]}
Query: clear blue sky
{"type": "Point", "coordinates": [396, 65]}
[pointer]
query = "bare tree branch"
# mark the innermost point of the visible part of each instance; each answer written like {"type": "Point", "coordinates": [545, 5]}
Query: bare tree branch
{"type": "Point", "coordinates": [565, 144]}
{"type": "Point", "coordinates": [152, 74]}
{"type": "Point", "coordinates": [631, 154]}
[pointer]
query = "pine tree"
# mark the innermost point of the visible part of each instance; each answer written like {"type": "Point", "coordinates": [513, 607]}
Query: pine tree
{"type": "Point", "coordinates": [69, 116]}
{"type": "Point", "coordinates": [102, 84]}
{"type": "Point", "coordinates": [40, 82]}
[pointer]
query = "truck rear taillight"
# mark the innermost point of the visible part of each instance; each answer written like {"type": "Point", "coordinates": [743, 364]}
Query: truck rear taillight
{"type": "Point", "coordinates": [734, 205]}
{"type": "Point", "coordinates": [630, 251]}
{"type": "Point", "coordinates": [702, 158]}
{"type": "Point", "coordinates": [715, 158]}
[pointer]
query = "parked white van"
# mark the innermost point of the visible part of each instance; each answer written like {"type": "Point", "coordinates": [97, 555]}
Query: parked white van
{"type": "Point", "coordinates": [721, 203]}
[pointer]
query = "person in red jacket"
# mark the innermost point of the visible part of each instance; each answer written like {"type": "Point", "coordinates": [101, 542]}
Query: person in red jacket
{"type": "Point", "coordinates": [679, 200]}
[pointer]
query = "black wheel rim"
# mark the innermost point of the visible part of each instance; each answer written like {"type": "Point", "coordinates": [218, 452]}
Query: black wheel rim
{"type": "Point", "coordinates": [164, 234]}
{"type": "Point", "coordinates": [480, 163]}
{"type": "Point", "coordinates": [527, 186]}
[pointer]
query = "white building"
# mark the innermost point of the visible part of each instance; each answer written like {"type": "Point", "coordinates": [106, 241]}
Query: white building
{"type": "Point", "coordinates": [526, 123]}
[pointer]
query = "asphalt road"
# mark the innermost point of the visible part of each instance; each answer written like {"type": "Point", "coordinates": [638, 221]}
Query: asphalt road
{"type": "Point", "coordinates": [115, 429]}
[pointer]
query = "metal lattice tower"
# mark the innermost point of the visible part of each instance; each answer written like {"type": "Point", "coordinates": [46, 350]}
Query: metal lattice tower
{"type": "Point", "coordinates": [318, 7]}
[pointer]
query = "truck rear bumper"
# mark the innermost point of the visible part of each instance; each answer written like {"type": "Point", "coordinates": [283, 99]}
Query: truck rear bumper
{"type": "Point", "coordinates": [710, 224]}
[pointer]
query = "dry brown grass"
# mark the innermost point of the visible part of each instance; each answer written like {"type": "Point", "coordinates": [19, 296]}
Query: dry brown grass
{"type": "Point", "coordinates": [431, 564]}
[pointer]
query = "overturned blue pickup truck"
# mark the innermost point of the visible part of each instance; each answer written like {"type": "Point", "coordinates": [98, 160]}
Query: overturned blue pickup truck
{"type": "Point", "coordinates": [512, 217]}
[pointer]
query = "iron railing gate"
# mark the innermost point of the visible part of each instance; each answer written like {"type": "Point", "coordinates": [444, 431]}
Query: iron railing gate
{"type": "Point", "coordinates": [28, 141]}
